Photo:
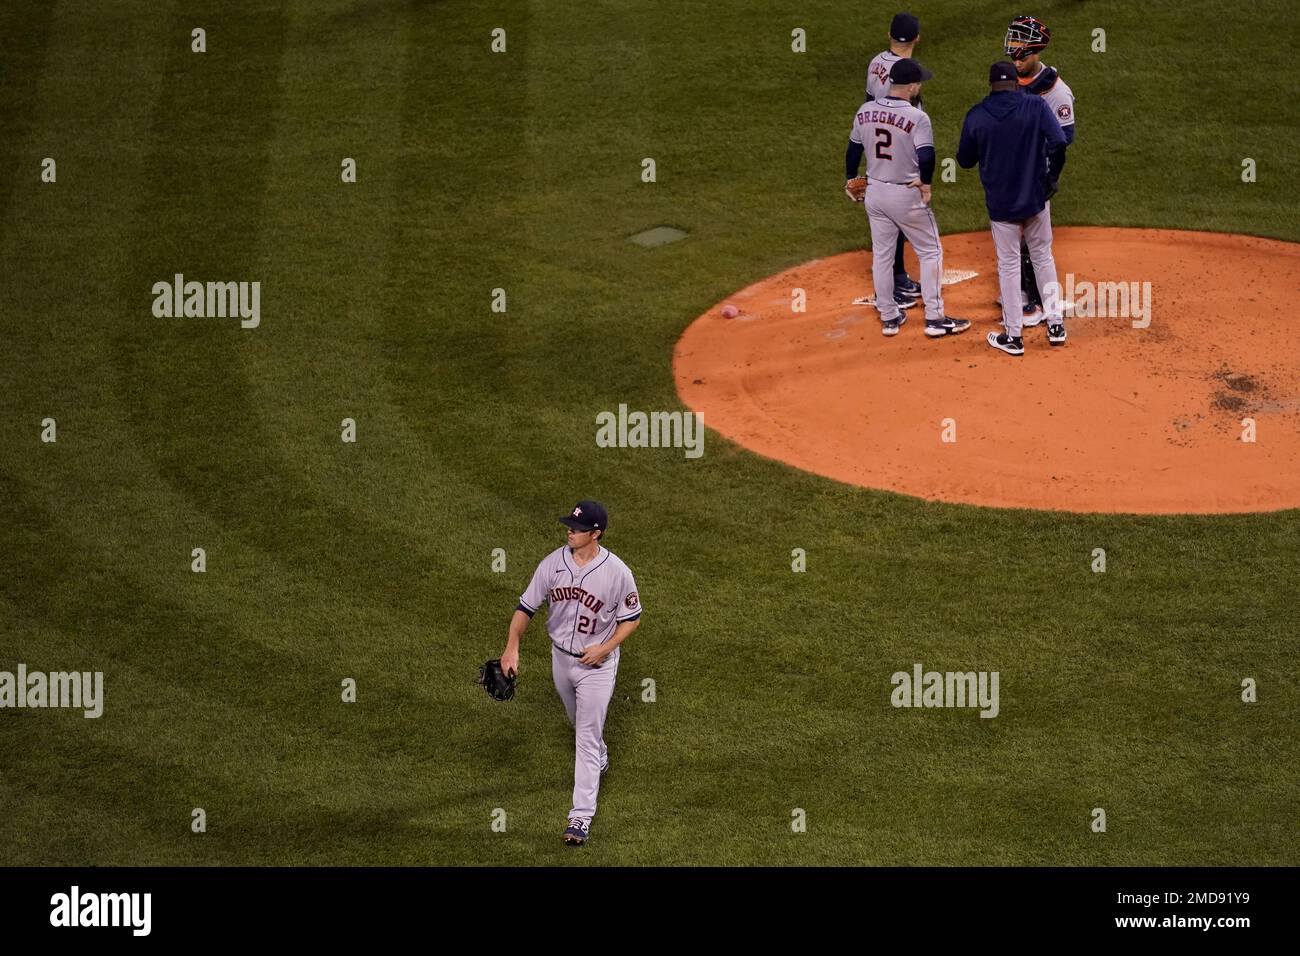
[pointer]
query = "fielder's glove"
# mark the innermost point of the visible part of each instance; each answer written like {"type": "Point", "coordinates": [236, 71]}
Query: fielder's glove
{"type": "Point", "coordinates": [498, 684]}
{"type": "Point", "coordinates": [856, 188]}
{"type": "Point", "coordinates": [1053, 187]}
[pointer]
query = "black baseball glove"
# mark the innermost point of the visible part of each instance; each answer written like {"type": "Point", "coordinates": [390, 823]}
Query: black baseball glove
{"type": "Point", "coordinates": [1053, 187]}
{"type": "Point", "coordinates": [498, 684]}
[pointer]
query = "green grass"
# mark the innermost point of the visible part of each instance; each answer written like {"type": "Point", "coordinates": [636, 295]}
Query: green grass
{"type": "Point", "coordinates": [372, 561]}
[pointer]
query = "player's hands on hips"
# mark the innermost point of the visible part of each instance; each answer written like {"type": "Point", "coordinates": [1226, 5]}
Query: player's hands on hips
{"type": "Point", "coordinates": [924, 189]}
{"type": "Point", "coordinates": [510, 662]}
{"type": "Point", "coordinates": [593, 655]}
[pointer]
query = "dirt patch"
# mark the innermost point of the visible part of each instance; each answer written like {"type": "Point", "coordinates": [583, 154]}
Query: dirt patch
{"type": "Point", "coordinates": [1231, 403]}
{"type": "Point", "coordinates": [1237, 382]}
{"type": "Point", "coordinates": [1121, 419]}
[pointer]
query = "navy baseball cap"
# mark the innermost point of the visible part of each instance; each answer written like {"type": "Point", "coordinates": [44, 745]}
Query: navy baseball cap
{"type": "Point", "coordinates": [908, 71]}
{"type": "Point", "coordinates": [1001, 72]}
{"type": "Point", "coordinates": [587, 515]}
{"type": "Point", "coordinates": [905, 28]}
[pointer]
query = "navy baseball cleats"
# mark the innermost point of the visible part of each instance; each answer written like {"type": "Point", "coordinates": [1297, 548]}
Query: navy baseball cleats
{"type": "Point", "coordinates": [575, 834]}
{"type": "Point", "coordinates": [892, 327]}
{"type": "Point", "coordinates": [945, 326]}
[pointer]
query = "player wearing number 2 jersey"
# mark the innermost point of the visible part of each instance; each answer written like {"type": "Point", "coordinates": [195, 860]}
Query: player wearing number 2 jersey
{"type": "Point", "coordinates": [899, 146]}
{"type": "Point", "coordinates": [592, 607]}
{"type": "Point", "coordinates": [904, 33]}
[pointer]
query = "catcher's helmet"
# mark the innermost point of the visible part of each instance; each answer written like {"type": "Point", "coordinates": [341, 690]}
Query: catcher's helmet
{"type": "Point", "coordinates": [1031, 35]}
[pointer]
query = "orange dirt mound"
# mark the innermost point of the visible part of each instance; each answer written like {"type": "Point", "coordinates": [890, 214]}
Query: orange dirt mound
{"type": "Point", "coordinates": [1120, 419]}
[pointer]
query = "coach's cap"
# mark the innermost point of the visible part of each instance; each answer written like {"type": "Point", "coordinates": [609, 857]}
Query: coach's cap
{"type": "Point", "coordinates": [905, 28]}
{"type": "Point", "coordinates": [587, 515]}
{"type": "Point", "coordinates": [1001, 72]}
{"type": "Point", "coordinates": [908, 71]}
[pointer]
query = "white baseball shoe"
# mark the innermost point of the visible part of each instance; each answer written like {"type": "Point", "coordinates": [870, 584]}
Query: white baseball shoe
{"type": "Point", "coordinates": [1033, 316]}
{"type": "Point", "coordinates": [1005, 343]}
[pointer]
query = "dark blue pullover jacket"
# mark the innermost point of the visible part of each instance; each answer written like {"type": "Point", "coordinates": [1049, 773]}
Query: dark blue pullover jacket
{"type": "Point", "coordinates": [1019, 146]}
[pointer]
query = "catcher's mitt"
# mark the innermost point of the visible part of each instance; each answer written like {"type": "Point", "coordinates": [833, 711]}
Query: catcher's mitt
{"type": "Point", "coordinates": [498, 684]}
{"type": "Point", "coordinates": [856, 188]}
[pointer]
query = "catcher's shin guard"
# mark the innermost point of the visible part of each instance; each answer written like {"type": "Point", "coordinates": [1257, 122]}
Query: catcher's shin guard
{"type": "Point", "coordinates": [1028, 281]}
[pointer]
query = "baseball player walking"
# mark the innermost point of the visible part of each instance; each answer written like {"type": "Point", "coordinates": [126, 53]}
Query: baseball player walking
{"type": "Point", "coordinates": [1025, 41]}
{"type": "Point", "coordinates": [904, 33]}
{"type": "Point", "coordinates": [899, 144]}
{"type": "Point", "coordinates": [1008, 134]}
{"type": "Point", "coordinates": [592, 607]}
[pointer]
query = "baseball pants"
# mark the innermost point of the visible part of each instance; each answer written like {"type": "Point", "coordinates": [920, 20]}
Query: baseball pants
{"type": "Point", "coordinates": [586, 692]}
{"type": "Point", "coordinates": [891, 209]}
{"type": "Point", "coordinates": [1037, 233]}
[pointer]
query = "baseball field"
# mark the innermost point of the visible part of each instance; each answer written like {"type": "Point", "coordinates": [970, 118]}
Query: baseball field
{"type": "Point", "coordinates": [373, 467]}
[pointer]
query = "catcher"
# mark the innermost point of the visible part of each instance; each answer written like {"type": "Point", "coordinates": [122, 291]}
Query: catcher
{"type": "Point", "coordinates": [592, 607]}
{"type": "Point", "coordinates": [1027, 37]}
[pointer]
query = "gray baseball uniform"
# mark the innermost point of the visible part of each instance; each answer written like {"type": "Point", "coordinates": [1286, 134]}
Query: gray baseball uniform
{"type": "Point", "coordinates": [878, 74]}
{"type": "Point", "coordinates": [1037, 232]}
{"type": "Point", "coordinates": [892, 130]}
{"type": "Point", "coordinates": [1060, 98]}
{"type": "Point", "coordinates": [584, 605]}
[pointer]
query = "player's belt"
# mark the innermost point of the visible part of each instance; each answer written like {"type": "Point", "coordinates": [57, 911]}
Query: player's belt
{"type": "Point", "coordinates": [563, 651]}
{"type": "Point", "coordinates": [888, 182]}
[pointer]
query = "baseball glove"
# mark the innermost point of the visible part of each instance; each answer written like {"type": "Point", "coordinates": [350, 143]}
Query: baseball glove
{"type": "Point", "coordinates": [498, 684]}
{"type": "Point", "coordinates": [856, 188]}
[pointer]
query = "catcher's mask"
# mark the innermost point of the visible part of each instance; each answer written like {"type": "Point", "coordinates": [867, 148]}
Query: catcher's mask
{"type": "Point", "coordinates": [1030, 33]}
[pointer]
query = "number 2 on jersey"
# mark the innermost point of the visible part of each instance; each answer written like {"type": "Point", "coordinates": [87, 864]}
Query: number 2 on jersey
{"type": "Point", "coordinates": [586, 625]}
{"type": "Point", "coordinates": [884, 139]}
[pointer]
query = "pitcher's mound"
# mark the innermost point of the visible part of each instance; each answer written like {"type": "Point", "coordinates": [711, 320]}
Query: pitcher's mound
{"type": "Point", "coordinates": [1198, 412]}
